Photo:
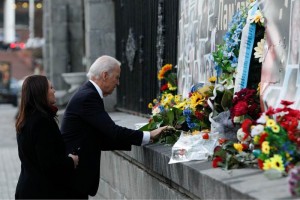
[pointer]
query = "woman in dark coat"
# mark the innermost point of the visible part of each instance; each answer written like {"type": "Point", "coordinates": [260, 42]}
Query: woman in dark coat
{"type": "Point", "coordinates": [45, 168]}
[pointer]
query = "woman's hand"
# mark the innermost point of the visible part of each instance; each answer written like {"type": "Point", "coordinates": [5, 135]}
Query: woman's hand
{"type": "Point", "coordinates": [75, 159]}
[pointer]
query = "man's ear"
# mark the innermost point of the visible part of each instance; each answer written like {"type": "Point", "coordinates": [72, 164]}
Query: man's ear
{"type": "Point", "coordinates": [104, 75]}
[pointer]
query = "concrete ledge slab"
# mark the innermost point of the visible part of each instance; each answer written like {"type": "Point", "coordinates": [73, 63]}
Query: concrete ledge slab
{"type": "Point", "coordinates": [197, 179]}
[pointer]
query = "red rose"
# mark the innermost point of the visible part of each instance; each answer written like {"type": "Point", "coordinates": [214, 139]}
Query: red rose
{"type": "Point", "coordinates": [254, 110]}
{"type": "Point", "coordinates": [164, 87]}
{"type": "Point", "coordinates": [240, 108]}
{"type": "Point", "coordinates": [199, 115]}
{"type": "Point", "coordinates": [216, 161]}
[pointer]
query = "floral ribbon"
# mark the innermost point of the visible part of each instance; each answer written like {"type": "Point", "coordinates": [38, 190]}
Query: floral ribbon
{"type": "Point", "coordinates": [246, 47]}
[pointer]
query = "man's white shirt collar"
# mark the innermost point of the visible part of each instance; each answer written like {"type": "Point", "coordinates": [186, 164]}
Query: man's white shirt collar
{"type": "Point", "coordinates": [98, 89]}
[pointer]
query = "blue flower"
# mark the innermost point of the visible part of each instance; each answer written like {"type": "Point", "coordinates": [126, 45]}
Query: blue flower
{"type": "Point", "coordinates": [192, 125]}
{"type": "Point", "coordinates": [187, 112]}
{"type": "Point", "coordinates": [161, 108]}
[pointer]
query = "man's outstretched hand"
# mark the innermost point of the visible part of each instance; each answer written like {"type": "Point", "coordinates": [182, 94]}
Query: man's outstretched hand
{"type": "Point", "coordinates": [155, 133]}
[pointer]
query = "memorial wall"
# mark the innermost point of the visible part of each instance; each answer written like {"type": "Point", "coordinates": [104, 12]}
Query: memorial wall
{"type": "Point", "coordinates": [202, 25]}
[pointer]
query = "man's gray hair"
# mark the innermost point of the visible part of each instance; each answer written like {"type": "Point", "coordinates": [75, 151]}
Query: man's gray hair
{"type": "Point", "coordinates": [102, 64]}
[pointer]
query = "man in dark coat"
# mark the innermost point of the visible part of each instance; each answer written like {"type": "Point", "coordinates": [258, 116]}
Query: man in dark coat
{"type": "Point", "coordinates": [87, 126]}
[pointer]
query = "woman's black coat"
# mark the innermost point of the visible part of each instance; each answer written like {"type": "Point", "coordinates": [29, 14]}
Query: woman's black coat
{"type": "Point", "coordinates": [45, 168]}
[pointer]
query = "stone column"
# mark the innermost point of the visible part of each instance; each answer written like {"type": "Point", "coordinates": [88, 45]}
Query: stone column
{"type": "Point", "coordinates": [76, 26]}
{"type": "Point", "coordinates": [9, 21]}
{"type": "Point", "coordinates": [56, 41]}
{"type": "Point", "coordinates": [31, 19]}
{"type": "Point", "coordinates": [100, 35]}
{"type": "Point", "coordinates": [64, 40]}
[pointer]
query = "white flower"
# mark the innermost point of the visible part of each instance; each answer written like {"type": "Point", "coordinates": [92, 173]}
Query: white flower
{"type": "Point", "coordinates": [156, 110]}
{"type": "Point", "coordinates": [241, 134]}
{"type": "Point", "coordinates": [262, 119]}
{"type": "Point", "coordinates": [259, 50]}
{"type": "Point", "coordinates": [257, 17]}
{"type": "Point", "coordinates": [258, 129]}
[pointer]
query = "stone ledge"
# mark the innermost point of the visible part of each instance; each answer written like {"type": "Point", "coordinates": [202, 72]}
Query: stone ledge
{"type": "Point", "coordinates": [197, 179]}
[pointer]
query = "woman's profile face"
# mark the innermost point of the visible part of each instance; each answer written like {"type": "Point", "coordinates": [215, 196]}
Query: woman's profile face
{"type": "Point", "coordinates": [51, 96]}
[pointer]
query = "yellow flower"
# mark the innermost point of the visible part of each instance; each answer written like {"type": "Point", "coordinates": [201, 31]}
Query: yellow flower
{"type": "Point", "coordinates": [150, 105]}
{"type": "Point", "coordinates": [238, 147]}
{"type": "Point", "coordinates": [270, 123]}
{"type": "Point", "coordinates": [177, 99]}
{"type": "Point", "coordinates": [196, 99]}
{"type": "Point", "coordinates": [212, 79]}
{"type": "Point", "coordinates": [155, 101]}
{"type": "Point", "coordinates": [181, 105]}
{"type": "Point", "coordinates": [195, 132]}
{"type": "Point", "coordinates": [277, 163]}
{"type": "Point", "coordinates": [265, 148]}
{"type": "Point", "coordinates": [288, 156]}
{"type": "Point", "coordinates": [256, 139]}
{"type": "Point", "coordinates": [276, 128]}
{"type": "Point", "coordinates": [171, 87]}
{"type": "Point", "coordinates": [267, 164]}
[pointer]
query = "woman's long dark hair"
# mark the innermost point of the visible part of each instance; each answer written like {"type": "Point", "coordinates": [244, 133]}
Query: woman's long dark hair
{"type": "Point", "coordinates": [33, 98]}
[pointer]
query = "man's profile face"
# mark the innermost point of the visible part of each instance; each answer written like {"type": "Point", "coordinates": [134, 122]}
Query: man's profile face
{"type": "Point", "coordinates": [112, 81]}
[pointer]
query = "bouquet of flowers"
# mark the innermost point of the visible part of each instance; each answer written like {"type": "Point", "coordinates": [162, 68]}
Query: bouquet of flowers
{"type": "Point", "coordinates": [168, 79]}
{"type": "Point", "coordinates": [231, 155]}
{"type": "Point", "coordinates": [276, 140]}
{"type": "Point", "coordinates": [234, 154]}
{"type": "Point", "coordinates": [166, 110]}
{"type": "Point", "coordinates": [245, 105]}
{"type": "Point", "coordinates": [226, 56]}
{"type": "Point", "coordinates": [197, 110]}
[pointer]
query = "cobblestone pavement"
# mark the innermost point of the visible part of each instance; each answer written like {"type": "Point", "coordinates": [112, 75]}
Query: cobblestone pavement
{"type": "Point", "coordinates": [10, 164]}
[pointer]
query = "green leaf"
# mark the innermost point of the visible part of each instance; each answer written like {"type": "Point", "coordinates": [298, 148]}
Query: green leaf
{"type": "Point", "coordinates": [221, 153]}
{"type": "Point", "coordinates": [170, 115]}
{"type": "Point", "coordinates": [157, 118]}
{"type": "Point", "coordinates": [226, 101]}
{"type": "Point", "coordinates": [181, 120]}
{"type": "Point", "coordinates": [172, 79]}
{"type": "Point", "coordinates": [145, 127]}
{"type": "Point", "coordinates": [155, 125]}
